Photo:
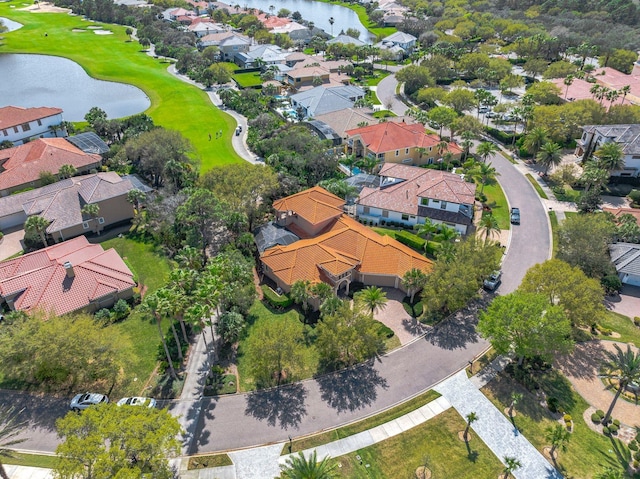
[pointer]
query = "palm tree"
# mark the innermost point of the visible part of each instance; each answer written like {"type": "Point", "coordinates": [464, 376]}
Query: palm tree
{"type": "Point", "coordinates": [610, 156]}
{"type": "Point", "coordinates": [534, 140]}
{"type": "Point", "coordinates": [549, 155]}
{"type": "Point", "coordinates": [301, 293]}
{"type": "Point", "coordinates": [515, 399]}
{"type": "Point", "coordinates": [373, 298]}
{"type": "Point", "coordinates": [135, 197]}
{"type": "Point", "coordinates": [610, 473]}
{"type": "Point", "coordinates": [37, 225]}
{"type": "Point", "coordinates": [510, 465]}
{"type": "Point", "coordinates": [331, 22]}
{"type": "Point", "coordinates": [447, 234]}
{"type": "Point", "coordinates": [623, 367]}
{"type": "Point", "coordinates": [471, 418]}
{"type": "Point", "coordinates": [567, 81]}
{"type": "Point", "coordinates": [425, 230]}
{"type": "Point", "coordinates": [92, 210]}
{"type": "Point", "coordinates": [467, 142]}
{"type": "Point", "coordinates": [486, 149]}
{"type": "Point", "coordinates": [488, 224]}
{"type": "Point", "coordinates": [166, 307]}
{"type": "Point", "coordinates": [151, 305]}
{"type": "Point", "coordinates": [10, 427]}
{"type": "Point", "coordinates": [612, 96]}
{"type": "Point", "coordinates": [413, 281]}
{"type": "Point", "coordinates": [330, 306]}
{"type": "Point", "coordinates": [299, 467]}
{"type": "Point", "coordinates": [322, 291]}
{"type": "Point", "coordinates": [624, 91]}
{"type": "Point", "coordinates": [67, 171]}
{"type": "Point", "coordinates": [485, 173]}
{"type": "Point", "coordinates": [559, 437]}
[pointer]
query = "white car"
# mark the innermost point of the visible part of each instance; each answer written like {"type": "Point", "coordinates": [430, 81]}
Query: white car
{"type": "Point", "coordinates": [83, 401]}
{"type": "Point", "coordinates": [137, 401]}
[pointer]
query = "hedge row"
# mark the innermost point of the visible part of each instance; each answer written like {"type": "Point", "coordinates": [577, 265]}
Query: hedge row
{"type": "Point", "coordinates": [410, 240]}
{"type": "Point", "coordinates": [274, 299]}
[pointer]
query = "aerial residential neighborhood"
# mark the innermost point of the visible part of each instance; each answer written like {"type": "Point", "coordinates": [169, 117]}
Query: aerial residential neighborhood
{"type": "Point", "coordinates": [345, 239]}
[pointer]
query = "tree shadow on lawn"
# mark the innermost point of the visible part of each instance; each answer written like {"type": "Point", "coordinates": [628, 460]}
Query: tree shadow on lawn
{"type": "Point", "coordinates": [502, 387]}
{"type": "Point", "coordinates": [353, 388]}
{"type": "Point", "coordinates": [584, 362]}
{"type": "Point", "coordinates": [283, 406]}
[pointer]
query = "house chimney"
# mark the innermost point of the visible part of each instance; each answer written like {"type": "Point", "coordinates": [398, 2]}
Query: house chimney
{"type": "Point", "coordinates": [69, 269]}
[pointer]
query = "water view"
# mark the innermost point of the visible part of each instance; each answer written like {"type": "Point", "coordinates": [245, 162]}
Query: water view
{"type": "Point", "coordinates": [318, 13]}
{"type": "Point", "coordinates": [41, 80]}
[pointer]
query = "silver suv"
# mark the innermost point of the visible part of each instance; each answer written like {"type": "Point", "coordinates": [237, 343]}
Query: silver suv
{"type": "Point", "coordinates": [83, 401]}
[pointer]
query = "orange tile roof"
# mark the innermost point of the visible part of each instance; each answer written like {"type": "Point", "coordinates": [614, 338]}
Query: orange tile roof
{"type": "Point", "coordinates": [345, 245]}
{"type": "Point", "coordinates": [315, 205]}
{"type": "Point", "coordinates": [11, 116]}
{"type": "Point", "coordinates": [40, 278]}
{"type": "Point", "coordinates": [617, 212]}
{"type": "Point", "coordinates": [23, 164]}
{"type": "Point", "coordinates": [391, 136]}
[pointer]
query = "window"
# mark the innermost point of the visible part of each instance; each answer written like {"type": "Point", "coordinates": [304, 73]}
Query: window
{"type": "Point", "coordinates": [39, 123]}
{"type": "Point", "coordinates": [406, 151]}
{"type": "Point", "coordinates": [365, 210]}
{"type": "Point", "coordinates": [430, 161]}
{"type": "Point", "coordinates": [5, 132]}
{"type": "Point", "coordinates": [436, 201]}
{"type": "Point", "coordinates": [101, 220]}
{"type": "Point", "coordinates": [381, 156]}
{"type": "Point", "coordinates": [443, 205]}
{"type": "Point", "coordinates": [25, 127]}
{"type": "Point", "coordinates": [385, 213]}
{"type": "Point", "coordinates": [85, 225]}
{"type": "Point", "coordinates": [407, 160]}
{"type": "Point", "coordinates": [405, 217]}
{"type": "Point", "coordinates": [15, 129]}
{"type": "Point", "coordinates": [430, 148]}
{"type": "Point", "coordinates": [397, 152]}
{"type": "Point", "coordinates": [424, 201]}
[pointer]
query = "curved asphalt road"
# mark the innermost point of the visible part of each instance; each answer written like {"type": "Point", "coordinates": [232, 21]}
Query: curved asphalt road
{"type": "Point", "coordinates": [231, 422]}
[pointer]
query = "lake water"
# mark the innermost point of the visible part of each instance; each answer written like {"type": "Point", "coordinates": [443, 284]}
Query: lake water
{"type": "Point", "coordinates": [10, 24]}
{"type": "Point", "coordinates": [42, 80]}
{"type": "Point", "coordinates": [316, 12]}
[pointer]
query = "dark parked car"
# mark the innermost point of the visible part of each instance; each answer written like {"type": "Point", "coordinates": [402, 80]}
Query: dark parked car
{"type": "Point", "coordinates": [515, 216]}
{"type": "Point", "coordinates": [493, 281]}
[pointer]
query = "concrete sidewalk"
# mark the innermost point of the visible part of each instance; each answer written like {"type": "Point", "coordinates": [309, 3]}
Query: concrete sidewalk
{"type": "Point", "coordinates": [24, 472]}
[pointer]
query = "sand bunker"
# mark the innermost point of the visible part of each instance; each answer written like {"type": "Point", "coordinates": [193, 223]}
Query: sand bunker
{"type": "Point", "coordinates": [45, 7]}
{"type": "Point", "coordinates": [78, 30]}
{"type": "Point", "coordinates": [103, 32]}
{"type": "Point", "coordinates": [94, 27]}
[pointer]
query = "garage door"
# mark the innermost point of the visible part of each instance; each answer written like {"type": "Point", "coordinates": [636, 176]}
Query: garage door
{"type": "Point", "coordinates": [631, 279]}
{"type": "Point", "coordinates": [12, 220]}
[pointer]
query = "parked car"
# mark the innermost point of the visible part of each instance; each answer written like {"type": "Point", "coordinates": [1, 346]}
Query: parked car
{"type": "Point", "coordinates": [515, 216]}
{"type": "Point", "coordinates": [137, 401]}
{"type": "Point", "coordinates": [484, 109]}
{"type": "Point", "coordinates": [493, 281]}
{"type": "Point", "coordinates": [238, 130]}
{"type": "Point", "coordinates": [492, 114]}
{"type": "Point", "coordinates": [83, 401]}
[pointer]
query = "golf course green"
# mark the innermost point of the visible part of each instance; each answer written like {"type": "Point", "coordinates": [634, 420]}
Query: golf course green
{"type": "Point", "coordinates": [175, 105]}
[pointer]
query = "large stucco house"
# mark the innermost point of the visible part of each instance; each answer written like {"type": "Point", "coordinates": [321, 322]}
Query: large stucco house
{"type": "Point", "coordinates": [19, 125]}
{"type": "Point", "coordinates": [410, 195]}
{"type": "Point", "coordinates": [311, 239]}
{"type": "Point", "coordinates": [627, 136]}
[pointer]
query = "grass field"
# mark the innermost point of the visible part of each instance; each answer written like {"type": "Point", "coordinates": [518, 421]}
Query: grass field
{"type": "Point", "coordinates": [30, 460]}
{"type": "Point", "coordinates": [434, 443]}
{"type": "Point", "coordinates": [175, 105]}
{"type": "Point", "coordinates": [622, 325]}
{"type": "Point", "coordinates": [248, 79]}
{"type": "Point", "coordinates": [537, 186]}
{"type": "Point", "coordinates": [588, 452]}
{"type": "Point", "coordinates": [498, 203]}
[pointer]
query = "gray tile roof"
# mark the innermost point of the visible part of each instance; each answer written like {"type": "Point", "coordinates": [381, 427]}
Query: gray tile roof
{"type": "Point", "coordinates": [399, 37]}
{"type": "Point", "coordinates": [61, 202]}
{"type": "Point", "coordinates": [346, 39]}
{"type": "Point", "coordinates": [625, 257]}
{"type": "Point", "coordinates": [321, 100]}
{"type": "Point", "coordinates": [627, 135]}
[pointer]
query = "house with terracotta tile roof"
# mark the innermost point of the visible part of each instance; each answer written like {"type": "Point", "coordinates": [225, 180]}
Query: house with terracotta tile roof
{"type": "Point", "coordinates": [397, 142]}
{"type": "Point", "coordinates": [61, 204]}
{"type": "Point", "coordinates": [18, 124]}
{"type": "Point", "coordinates": [21, 166]}
{"type": "Point", "coordinates": [618, 212]}
{"type": "Point", "coordinates": [66, 277]}
{"type": "Point", "coordinates": [319, 243]}
{"type": "Point", "coordinates": [409, 195]}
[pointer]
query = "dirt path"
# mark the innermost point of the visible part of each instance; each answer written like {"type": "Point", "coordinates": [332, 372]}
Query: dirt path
{"type": "Point", "coordinates": [582, 367]}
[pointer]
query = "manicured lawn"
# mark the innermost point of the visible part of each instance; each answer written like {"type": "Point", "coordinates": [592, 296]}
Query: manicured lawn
{"type": "Point", "coordinates": [151, 268]}
{"type": "Point", "coordinates": [174, 104]}
{"type": "Point", "coordinates": [553, 219]}
{"type": "Point", "coordinates": [248, 79]}
{"type": "Point", "coordinates": [435, 443]}
{"type": "Point", "coordinates": [537, 186]}
{"type": "Point", "coordinates": [498, 203]}
{"type": "Point", "coordinates": [379, 75]}
{"type": "Point", "coordinates": [569, 214]}
{"type": "Point", "coordinates": [364, 425]}
{"type": "Point", "coordinates": [31, 460]}
{"type": "Point", "coordinates": [384, 114]}
{"type": "Point", "coordinates": [258, 314]}
{"type": "Point", "coordinates": [213, 460]}
{"type": "Point", "coordinates": [588, 452]}
{"type": "Point", "coordinates": [629, 332]}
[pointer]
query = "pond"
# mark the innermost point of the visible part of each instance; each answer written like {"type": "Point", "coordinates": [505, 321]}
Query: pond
{"type": "Point", "coordinates": [41, 80]}
{"type": "Point", "coordinates": [318, 13]}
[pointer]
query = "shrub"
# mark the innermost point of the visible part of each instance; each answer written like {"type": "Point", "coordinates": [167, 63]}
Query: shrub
{"type": "Point", "coordinates": [605, 431]}
{"type": "Point", "coordinates": [103, 315]}
{"type": "Point", "coordinates": [385, 331]}
{"type": "Point", "coordinates": [276, 300]}
{"type": "Point", "coordinates": [613, 429]}
{"type": "Point", "coordinates": [121, 310]}
{"type": "Point", "coordinates": [634, 196]}
{"type": "Point", "coordinates": [567, 418]}
{"type": "Point", "coordinates": [636, 456]}
{"type": "Point", "coordinates": [616, 422]}
{"type": "Point", "coordinates": [600, 413]}
{"type": "Point", "coordinates": [611, 284]}
{"type": "Point", "coordinates": [552, 404]}
{"type": "Point", "coordinates": [633, 445]}
{"type": "Point", "coordinates": [418, 308]}
{"type": "Point", "coordinates": [411, 240]}
{"type": "Point", "coordinates": [636, 321]}
{"type": "Point", "coordinates": [595, 418]}
{"type": "Point", "coordinates": [1, 235]}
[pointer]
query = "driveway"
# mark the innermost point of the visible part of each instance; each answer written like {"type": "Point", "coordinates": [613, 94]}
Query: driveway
{"type": "Point", "coordinates": [11, 242]}
{"type": "Point", "coordinates": [395, 317]}
{"type": "Point", "coordinates": [627, 302]}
